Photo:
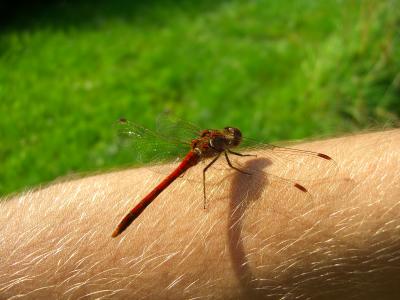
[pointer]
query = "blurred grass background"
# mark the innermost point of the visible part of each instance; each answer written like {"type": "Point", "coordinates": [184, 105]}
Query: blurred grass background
{"type": "Point", "coordinates": [275, 69]}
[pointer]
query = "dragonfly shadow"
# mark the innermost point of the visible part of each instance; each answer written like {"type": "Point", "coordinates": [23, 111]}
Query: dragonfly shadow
{"type": "Point", "coordinates": [244, 190]}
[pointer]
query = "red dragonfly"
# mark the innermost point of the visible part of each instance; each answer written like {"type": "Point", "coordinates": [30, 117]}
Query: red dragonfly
{"type": "Point", "coordinates": [210, 144]}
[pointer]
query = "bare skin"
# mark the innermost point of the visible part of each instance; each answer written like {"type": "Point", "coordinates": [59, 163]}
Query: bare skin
{"type": "Point", "coordinates": [254, 240]}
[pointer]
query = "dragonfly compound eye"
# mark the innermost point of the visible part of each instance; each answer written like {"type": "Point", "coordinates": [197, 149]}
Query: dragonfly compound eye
{"type": "Point", "coordinates": [235, 135]}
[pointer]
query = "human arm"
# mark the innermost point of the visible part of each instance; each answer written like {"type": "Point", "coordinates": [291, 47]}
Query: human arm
{"type": "Point", "coordinates": [56, 241]}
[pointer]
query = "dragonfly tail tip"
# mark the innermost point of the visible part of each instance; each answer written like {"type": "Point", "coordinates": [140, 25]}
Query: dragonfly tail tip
{"type": "Point", "coordinates": [115, 233]}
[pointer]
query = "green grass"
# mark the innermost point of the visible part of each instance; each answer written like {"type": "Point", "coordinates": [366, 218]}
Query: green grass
{"type": "Point", "coordinates": [278, 70]}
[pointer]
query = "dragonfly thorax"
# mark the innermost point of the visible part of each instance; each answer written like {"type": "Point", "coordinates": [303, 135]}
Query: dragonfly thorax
{"type": "Point", "coordinates": [212, 142]}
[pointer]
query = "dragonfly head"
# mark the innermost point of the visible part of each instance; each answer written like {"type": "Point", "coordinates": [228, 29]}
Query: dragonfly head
{"type": "Point", "coordinates": [233, 135]}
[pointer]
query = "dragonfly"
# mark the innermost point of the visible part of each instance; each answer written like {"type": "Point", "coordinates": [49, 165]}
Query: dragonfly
{"type": "Point", "coordinates": [210, 144]}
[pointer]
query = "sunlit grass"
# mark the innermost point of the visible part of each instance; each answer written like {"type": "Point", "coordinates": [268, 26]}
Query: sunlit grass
{"type": "Point", "coordinates": [277, 70]}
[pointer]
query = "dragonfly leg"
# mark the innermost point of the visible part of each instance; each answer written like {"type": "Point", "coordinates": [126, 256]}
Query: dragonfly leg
{"type": "Point", "coordinates": [230, 164]}
{"type": "Point", "coordinates": [204, 178]}
{"type": "Point", "coordinates": [240, 154]}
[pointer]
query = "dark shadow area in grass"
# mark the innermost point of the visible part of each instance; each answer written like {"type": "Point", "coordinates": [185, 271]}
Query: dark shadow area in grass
{"type": "Point", "coordinates": [23, 14]}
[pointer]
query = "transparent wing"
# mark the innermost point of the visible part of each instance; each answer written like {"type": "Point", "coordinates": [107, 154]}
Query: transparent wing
{"type": "Point", "coordinates": [149, 146]}
{"type": "Point", "coordinates": [285, 167]}
{"type": "Point", "coordinates": [179, 130]}
{"type": "Point", "coordinates": [290, 162]}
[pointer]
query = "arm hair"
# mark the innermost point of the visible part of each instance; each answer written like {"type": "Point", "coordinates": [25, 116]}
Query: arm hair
{"type": "Point", "coordinates": [256, 239]}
